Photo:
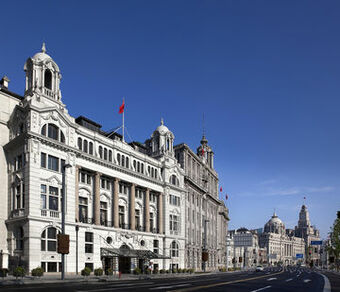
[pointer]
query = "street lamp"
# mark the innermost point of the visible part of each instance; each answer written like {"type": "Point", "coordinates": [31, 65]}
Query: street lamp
{"type": "Point", "coordinates": [64, 167]}
{"type": "Point", "coordinates": [205, 242]}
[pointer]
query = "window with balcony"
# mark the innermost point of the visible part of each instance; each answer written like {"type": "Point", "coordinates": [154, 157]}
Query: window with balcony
{"type": "Point", "coordinates": [174, 223]}
{"type": "Point", "coordinates": [83, 210]}
{"type": "Point", "coordinates": [121, 216]}
{"type": "Point", "coordinates": [103, 213]}
{"type": "Point", "coordinates": [137, 219]}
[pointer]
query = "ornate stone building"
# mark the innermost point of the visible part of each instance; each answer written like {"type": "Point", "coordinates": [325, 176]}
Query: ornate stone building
{"type": "Point", "coordinates": [281, 245]}
{"type": "Point", "coordinates": [206, 215]}
{"type": "Point", "coordinates": [309, 233]}
{"type": "Point", "coordinates": [125, 203]}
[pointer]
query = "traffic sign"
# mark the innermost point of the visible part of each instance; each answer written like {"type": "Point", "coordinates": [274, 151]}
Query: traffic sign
{"type": "Point", "coordinates": [316, 242]}
{"type": "Point", "coordinates": [299, 256]}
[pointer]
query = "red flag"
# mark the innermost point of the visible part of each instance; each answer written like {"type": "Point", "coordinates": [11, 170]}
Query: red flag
{"type": "Point", "coordinates": [121, 108]}
{"type": "Point", "coordinates": [226, 196]}
{"type": "Point", "coordinates": [220, 189]}
{"type": "Point", "coordinates": [202, 151]}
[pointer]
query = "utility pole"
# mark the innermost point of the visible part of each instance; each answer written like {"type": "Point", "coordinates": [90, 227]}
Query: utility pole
{"type": "Point", "coordinates": [64, 167]}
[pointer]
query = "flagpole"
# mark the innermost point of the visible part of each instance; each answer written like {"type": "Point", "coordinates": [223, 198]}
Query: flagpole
{"type": "Point", "coordinates": [123, 120]}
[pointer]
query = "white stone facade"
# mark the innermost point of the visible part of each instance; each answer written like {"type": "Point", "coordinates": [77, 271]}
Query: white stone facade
{"type": "Point", "coordinates": [125, 203]}
{"type": "Point", "coordinates": [204, 208]}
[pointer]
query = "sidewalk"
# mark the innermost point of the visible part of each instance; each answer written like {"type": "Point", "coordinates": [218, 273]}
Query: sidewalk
{"type": "Point", "coordinates": [11, 280]}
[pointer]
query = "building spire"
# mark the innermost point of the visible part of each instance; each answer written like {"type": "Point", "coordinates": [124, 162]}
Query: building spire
{"type": "Point", "coordinates": [162, 121]}
{"type": "Point", "coordinates": [43, 48]}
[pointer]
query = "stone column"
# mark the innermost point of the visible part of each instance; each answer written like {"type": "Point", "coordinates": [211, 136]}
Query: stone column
{"type": "Point", "coordinates": [147, 210]}
{"type": "Point", "coordinates": [116, 203]}
{"type": "Point", "coordinates": [97, 198]}
{"type": "Point", "coordinates": [76, 190]}
{"type": "Point", "coordinates": [160, 213]}
{"type": "Point", "coordinates": [132, 207]}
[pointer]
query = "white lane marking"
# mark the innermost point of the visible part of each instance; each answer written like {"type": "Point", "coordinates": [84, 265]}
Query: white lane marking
{"type": "Point", "coordinates": [168, 287]}
{"type": "Point", "coordinates": [267, 287]}
{"type": "Point", "coordinates": [271, 279]}
{"type": "Point", "coordinates": [327, 287]}
{"type": "Point", "coordinates": [267, 273]}
{"type": "Point", "coordinates": [290, 279]}
{"type": "Point", "coordinates": [111, 287]}
{"type": "Point", "coordinates": [307, 280]}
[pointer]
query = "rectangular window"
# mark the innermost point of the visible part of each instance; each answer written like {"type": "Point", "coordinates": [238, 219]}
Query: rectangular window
{"type": "Point", "coordinates": [103, 213]}
{"type": "Point", "coordinates": [88, 242]}
{"type": "Point", "coordinates": [89, 265]}
{"type": "Point", "coordinates": [51, 267]}
{"type": "Point", "coordinates": [82, 177]}
{"type": "Point", "coordinates": [53, 163]}
{"type": "Point", "coordinates": [155, 246]}
{"type": "Point", "coordinates": [137, 218]}
{"type": "Point", "coordinates": [43, 160]}
{"type": "Point", "coordinates": [88, 179]}
{"type": "Point", "coordinates": [62, 164]}
{"type": "Point", "coordinates": [121, 216]}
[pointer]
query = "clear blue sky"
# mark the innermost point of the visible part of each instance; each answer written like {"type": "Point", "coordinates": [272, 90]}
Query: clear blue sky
{"type": "Point", "coordinates": [265, 73]}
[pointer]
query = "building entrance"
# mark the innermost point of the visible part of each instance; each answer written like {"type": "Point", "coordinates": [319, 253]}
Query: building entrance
{"type": "Point", "coordinates": [124, 265]}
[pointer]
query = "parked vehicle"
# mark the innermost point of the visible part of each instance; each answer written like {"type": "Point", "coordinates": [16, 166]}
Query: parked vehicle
{"type": "Point", "coordinates": [259, 269]}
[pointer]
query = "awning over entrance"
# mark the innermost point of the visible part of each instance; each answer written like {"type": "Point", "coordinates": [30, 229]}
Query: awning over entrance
{"type": "Point", "coordinates": [131, 253]}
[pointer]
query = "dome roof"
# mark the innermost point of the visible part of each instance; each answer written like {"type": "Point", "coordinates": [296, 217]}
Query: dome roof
{"type": "Point", "coordinates": [274, 224]}
{"type": "Point", "coordinates": [41, 56]}
{"type": "Point", "coordinates": [161, 129]}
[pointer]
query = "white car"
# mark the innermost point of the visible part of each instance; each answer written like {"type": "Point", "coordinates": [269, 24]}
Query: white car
{"type": "Point", "coordinates": [259, 269]}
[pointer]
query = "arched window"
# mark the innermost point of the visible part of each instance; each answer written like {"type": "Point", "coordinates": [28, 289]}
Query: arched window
{"type": "Point", "coordinates": [105, 153]}
{"type": "Point", "coordinates": [62, 137]}
{"type": "Point", "coordinates": [167, 144]}
{"type": "Point", "coordinates": [127, 162]}
{"type": "Point", "coordinates": [43, 130]}
{"type": "Point", "coordinates": [149, 170]}
{"type": "Point", "coordinates": [138, 166]}
{"type": "Point", "coordinates": [48, 79]}
{"type": "Point", "coordinates": [174, 249]}
{"type": "Point", "coordinates": [100, 151]}
{"type": "Point", "coordinates": [155, 173]}
{"type": "Point", "coordinates": [123, 160]}
{"type": "Point", "coordinates": [142, 168]}
{"type": "Point", "coordinates": [91, 148]}
{"type": "Point", "coordinates": [134, 165]}
{"type": "Point", "coordinates": [53, 132]}
{"type": "Point", "coordinates": [152, 172]}
{"type": "Point", "coordinates": [110, 155]}
{"type": "Point", "coordinates": [80, 143]}
{"type": "Point", "coordinates": [174, 180]}
{"type": "Point", "coordinates": [49, 239]}
{"type": "Point", "coordinates": [85, 146]}
{"type": "Point", "coordinates": [118, 158]}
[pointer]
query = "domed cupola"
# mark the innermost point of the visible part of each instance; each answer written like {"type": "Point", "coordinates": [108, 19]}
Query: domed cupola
{"type": "Point", "coordinates": [275, 225]}
{"type": "Point", "coordinates": [162, 140]}
{"type": "Point", "coordinates": [205, 152]}
{"type": "Point", "coordinates": [42, 76]}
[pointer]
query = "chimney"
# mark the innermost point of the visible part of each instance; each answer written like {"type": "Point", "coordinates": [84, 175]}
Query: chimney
{"type": "Point", "coordinates": [4, 82]}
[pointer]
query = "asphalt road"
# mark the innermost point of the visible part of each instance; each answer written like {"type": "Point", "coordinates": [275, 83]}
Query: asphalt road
{"type": "Point", "coordinates": [291, 279]}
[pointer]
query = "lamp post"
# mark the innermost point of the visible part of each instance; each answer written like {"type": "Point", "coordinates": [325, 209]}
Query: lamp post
{"type": "Point", "coordinates": [77, 230]}
{"type": "Point", "coordinates": [64, 167]}
{"type": "Point", "coordinates": [205, 242]}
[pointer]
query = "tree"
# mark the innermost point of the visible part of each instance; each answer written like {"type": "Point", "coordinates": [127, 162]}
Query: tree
{"type": "Point", "coordinates": [334, 248]}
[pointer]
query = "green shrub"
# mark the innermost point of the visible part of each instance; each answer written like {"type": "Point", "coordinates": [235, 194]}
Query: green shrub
{"type": "Point", "coordinates": [19, 272]}
{"type": "Point", "coordinates": [174, 271]}
{"type": "Point", "coordinates": [3, 272]}
{"type": "Point", "coordinates": [86, 272]}
{"type": "Point", "coordinates": [167, 271]}
{"type": "Point", "coordinates": [110, 272]}
{"type": "Point", "coordinates": [162, 271]}
{"type": "Point", "coordinates": [137, 271]}
{"type": "Point", "coordinates": [37, 272]}
{"type": "Point", "coordinates": [191, 271]}
{"type": "Point", "coordinates": [98, 272]}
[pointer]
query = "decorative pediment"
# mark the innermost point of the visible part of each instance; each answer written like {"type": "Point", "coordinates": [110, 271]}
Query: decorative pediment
{"type": "Point", "coordinates": [54, 180]}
